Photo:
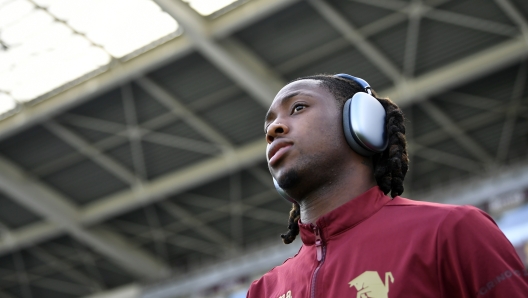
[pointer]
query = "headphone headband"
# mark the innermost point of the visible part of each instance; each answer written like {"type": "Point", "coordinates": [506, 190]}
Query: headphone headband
{"type": "Point", "coordinates": [366, 87]}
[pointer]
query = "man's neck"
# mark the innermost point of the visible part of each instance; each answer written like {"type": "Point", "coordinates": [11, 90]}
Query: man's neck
{"type": "Point", "coordinates": [328, 198]}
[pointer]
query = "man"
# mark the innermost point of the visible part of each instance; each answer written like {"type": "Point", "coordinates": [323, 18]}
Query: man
{"type": "Point", "coordinates": [357, 240]}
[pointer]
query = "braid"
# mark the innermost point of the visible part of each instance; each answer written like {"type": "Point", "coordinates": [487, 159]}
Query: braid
{"type": "Point", "coordinates": [293, 224]}
{"type": "Point", "coordinates": [390, 166]}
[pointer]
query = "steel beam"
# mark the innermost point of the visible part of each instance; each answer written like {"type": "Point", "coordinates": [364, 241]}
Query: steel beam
{"type": "Point", "coordinates": [515, 15]}
{"type": "Point", "coordinates": [458, 72]}
{"type": "Point", "coordinates": [29, 235]}
{"type": "Point", "coordinates": [354, 37]}
{"type": "Point", "coordinates": [261, 85]}
{"type": "Point", "coordinates": [175, 182]}
{"type": "Point", "coordinates": [101, 159]}
{"type": "Point", "coordinates": [175, 106]}
{"type": "Point", "coordinates": [194, 222]}
{"type": "Point", "coordinates": [456, 132]}
{"type": "Point", "coordinates": [49, 204]}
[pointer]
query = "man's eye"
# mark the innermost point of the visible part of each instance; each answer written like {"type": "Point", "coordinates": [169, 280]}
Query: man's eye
{"type": "Point", "coordinates": [298, 107]}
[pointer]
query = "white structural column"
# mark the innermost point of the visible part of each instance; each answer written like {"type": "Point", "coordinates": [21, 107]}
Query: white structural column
{"type": "Point", "coordinates": [262, 86]}
{"type": "Point", "coordinates": [49, 204]}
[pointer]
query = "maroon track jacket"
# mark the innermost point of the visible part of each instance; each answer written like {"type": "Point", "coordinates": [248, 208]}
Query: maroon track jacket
{"type": "Point", "coordinates": [373, 246]}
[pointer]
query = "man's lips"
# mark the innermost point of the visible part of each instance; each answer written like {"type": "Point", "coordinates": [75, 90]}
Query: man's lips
{"type": "Point", "coordinates": [277, 150]}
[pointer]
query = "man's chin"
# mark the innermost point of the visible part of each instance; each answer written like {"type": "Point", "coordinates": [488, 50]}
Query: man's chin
{"type": "Point", "coordinates": [289, 179]}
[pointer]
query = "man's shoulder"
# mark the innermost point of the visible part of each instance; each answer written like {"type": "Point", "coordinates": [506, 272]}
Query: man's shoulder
{"type": "Point", "coordinates": [405, 202]}
{"type": "Point", "coordinates": [441, 211]}
{"type": "Point", "coordinates": [276, 276]}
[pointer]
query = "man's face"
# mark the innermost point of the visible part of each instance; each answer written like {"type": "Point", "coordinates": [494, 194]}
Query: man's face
{"type": "Point", "coordinates": [305, 137]}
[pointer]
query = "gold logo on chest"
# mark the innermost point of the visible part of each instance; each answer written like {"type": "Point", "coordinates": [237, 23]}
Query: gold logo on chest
{"type": "Point", "coordinates": [370, 285]}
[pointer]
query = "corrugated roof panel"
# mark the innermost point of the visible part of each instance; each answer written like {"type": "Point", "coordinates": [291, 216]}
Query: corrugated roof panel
{"type": "Point", "coordinates": [251, 186]}
{"type": "Point", "coordinates": [112, 275]}
{"type": "Point", "coordinates": [278, 204]}
{"type": "Point", "coordinates": [123, 155]}
{"type": "Point", "coordinates": [161, 159]}
{"type": "Point", "coordinates": [182, 129]}
{"type": "Point", "coordinates": [489, 137]}
{"type": "Point", "coordinates": [200, 205]}
{"type": "Point", "coordinates": [13, 215]}
{"type": "Point", "coordinates": [69, 253]}
{"type": "Point", "coordinates": [287, 33]}
{"type": "Point", "coordinates": [108, 106]}
{"type": "Point", "coordinates": [163, 218]}
{"type": "Point", "coordinates": [84, 182]}
{"type": "Point", "coordinates": [190, 78]}
{"type": "Point", "coordinates": [440, 44]}
{"type": "Point", "coordinates": [519, 143]}
{"type": "Point", "coordinates": [456, 112]}
{"type": "Point", "coordinates": [146, 107]}
{"type": "Point", "coordinates": [360, 14]}
{"type": "Point", "coordinates": [347, 60]}
{"type": "Point", "coordinates": [487, 10]}
{"type": "Point", "coordinates": [34, 147]}
{"type": "Point", "coordinates": [455, 148]}
{"type": "Point", "coordinates": [498, 85]}
{"type": "Point", "coordinates": [257, 231]}
{"type": "Point", "coordinates": [218, 189]}
{"type": "Point", "coordinates": [241, 120]}
{"type": "Point", "coordinates": [392, 43]}
{"type": "Point", "coordinates": [194, 234]}
{"type": "Point", "coordinates": [90, 135]}
{"type": "Point", "coordinates": [428, 175]}
{"type": "Point", "coordinates": [422, 123]}
{"type": "Point", "coordinates": [222, 225]}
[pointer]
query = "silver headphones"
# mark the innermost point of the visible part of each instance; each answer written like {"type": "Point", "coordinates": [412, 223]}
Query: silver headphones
{"type": "Point", "coordinates": [363, 124]}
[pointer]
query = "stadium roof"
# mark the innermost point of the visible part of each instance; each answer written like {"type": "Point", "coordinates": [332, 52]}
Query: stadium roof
{"type": "Point", "coordinates": [142, 165]}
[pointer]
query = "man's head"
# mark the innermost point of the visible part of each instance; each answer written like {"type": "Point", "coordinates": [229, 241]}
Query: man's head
{"type": "Point", "coordinates": [306, 143]}
{"type": "Point", "coordinates": [304, 134]}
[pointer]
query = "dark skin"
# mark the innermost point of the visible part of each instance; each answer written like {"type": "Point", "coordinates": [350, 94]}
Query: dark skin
{"type": "Point", "coordinates": [307, 151]}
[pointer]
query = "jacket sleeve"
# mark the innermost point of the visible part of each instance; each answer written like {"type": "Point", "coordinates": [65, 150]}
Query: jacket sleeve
{"type": "Point", "coordinates": [475, 259]}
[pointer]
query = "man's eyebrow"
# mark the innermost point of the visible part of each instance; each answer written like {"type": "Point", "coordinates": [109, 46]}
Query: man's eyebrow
{"type": "Point", "coordinates": [270, 114]}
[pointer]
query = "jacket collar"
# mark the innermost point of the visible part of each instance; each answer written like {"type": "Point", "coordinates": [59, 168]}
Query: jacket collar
{"type": "Point", "coordinates": [346, 216]}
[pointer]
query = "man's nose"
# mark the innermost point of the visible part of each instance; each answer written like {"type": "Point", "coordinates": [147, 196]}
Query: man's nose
{"type": "Point", "coordinates": [274, 130]}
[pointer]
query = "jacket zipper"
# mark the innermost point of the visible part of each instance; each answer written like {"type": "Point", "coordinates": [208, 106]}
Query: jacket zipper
{"type": "Point", "coordinates": [320, 253]}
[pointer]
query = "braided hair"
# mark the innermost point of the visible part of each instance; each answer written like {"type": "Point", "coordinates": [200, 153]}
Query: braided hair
{"type": "Point", "coordinates": [390, 166]}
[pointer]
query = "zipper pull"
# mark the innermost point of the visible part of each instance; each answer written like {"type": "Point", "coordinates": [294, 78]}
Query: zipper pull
{"type": "Point", "coordinates": [318, 243]}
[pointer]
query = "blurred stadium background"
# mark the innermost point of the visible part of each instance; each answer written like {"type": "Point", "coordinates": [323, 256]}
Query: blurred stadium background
{"type": "Point", "coordinates": [131, 133]}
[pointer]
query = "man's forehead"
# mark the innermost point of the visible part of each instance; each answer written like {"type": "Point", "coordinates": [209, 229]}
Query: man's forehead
{"type": "Point", "coordinates": [306, 87]}
{"type": "Point", "coordinates": [297, 86]}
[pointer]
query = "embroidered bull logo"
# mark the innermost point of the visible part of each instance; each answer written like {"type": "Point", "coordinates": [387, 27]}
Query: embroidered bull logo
{"type": "Point", "coordinates": [369, 284]}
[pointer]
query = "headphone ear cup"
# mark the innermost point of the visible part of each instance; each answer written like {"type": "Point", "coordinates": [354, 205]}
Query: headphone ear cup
{"type": "Point", "coordinates": [364, 124]}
